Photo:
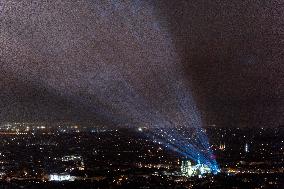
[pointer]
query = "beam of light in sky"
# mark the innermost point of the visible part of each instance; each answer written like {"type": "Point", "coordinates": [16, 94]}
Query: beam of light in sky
{"type": "Point", "coordinates": [107, 55]}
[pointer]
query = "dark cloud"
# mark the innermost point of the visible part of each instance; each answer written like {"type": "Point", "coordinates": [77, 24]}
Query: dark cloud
{"type": "Point", "coordinates": [233, 53]}
{"type": "Point", "coordinates": [21, 100]}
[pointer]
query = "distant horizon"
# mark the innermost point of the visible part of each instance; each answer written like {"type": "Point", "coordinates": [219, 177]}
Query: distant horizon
{"type": "Point", "coordinates": [122, 125]}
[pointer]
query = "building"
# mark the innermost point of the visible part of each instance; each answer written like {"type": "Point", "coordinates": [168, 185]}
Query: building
{"type": "Point", "coordinates": [61, 177]}
{"type": "Point", "coordinates": [189, 170]}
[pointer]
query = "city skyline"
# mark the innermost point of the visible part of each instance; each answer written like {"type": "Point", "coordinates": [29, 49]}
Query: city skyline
{"type": "Point", "coordinates": [145, 94]}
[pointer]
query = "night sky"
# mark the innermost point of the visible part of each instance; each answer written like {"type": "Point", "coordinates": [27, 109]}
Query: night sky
{"type": "Point", "coordinates": [100, 60]}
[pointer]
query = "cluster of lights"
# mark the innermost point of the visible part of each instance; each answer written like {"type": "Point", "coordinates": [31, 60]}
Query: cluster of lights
{"type": "Point", "coordinates": [189, 170]}
{"type": "Point", "coordinates": [185, 137]}
{"type": "Point", "coordinates": [61, 177]}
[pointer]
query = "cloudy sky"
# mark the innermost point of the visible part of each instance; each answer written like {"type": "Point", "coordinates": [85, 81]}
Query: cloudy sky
{"type": "Point", "coordinates": [114, 60]}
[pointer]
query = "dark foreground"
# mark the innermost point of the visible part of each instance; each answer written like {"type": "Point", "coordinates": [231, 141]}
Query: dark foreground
{"type": "Point", "coordinates": [268, 181]}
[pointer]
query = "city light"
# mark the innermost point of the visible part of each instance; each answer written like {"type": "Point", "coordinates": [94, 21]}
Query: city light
{"type": "Point", "coordinates": [189, 170]}
{"type": "Point", "coordinates": [61, 177]}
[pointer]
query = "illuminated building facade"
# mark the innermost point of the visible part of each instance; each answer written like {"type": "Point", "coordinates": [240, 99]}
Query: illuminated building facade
{"type": "Point", "coordinates": [189, 170]}
{"type": "Point", "coordinates": [61, 177]}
